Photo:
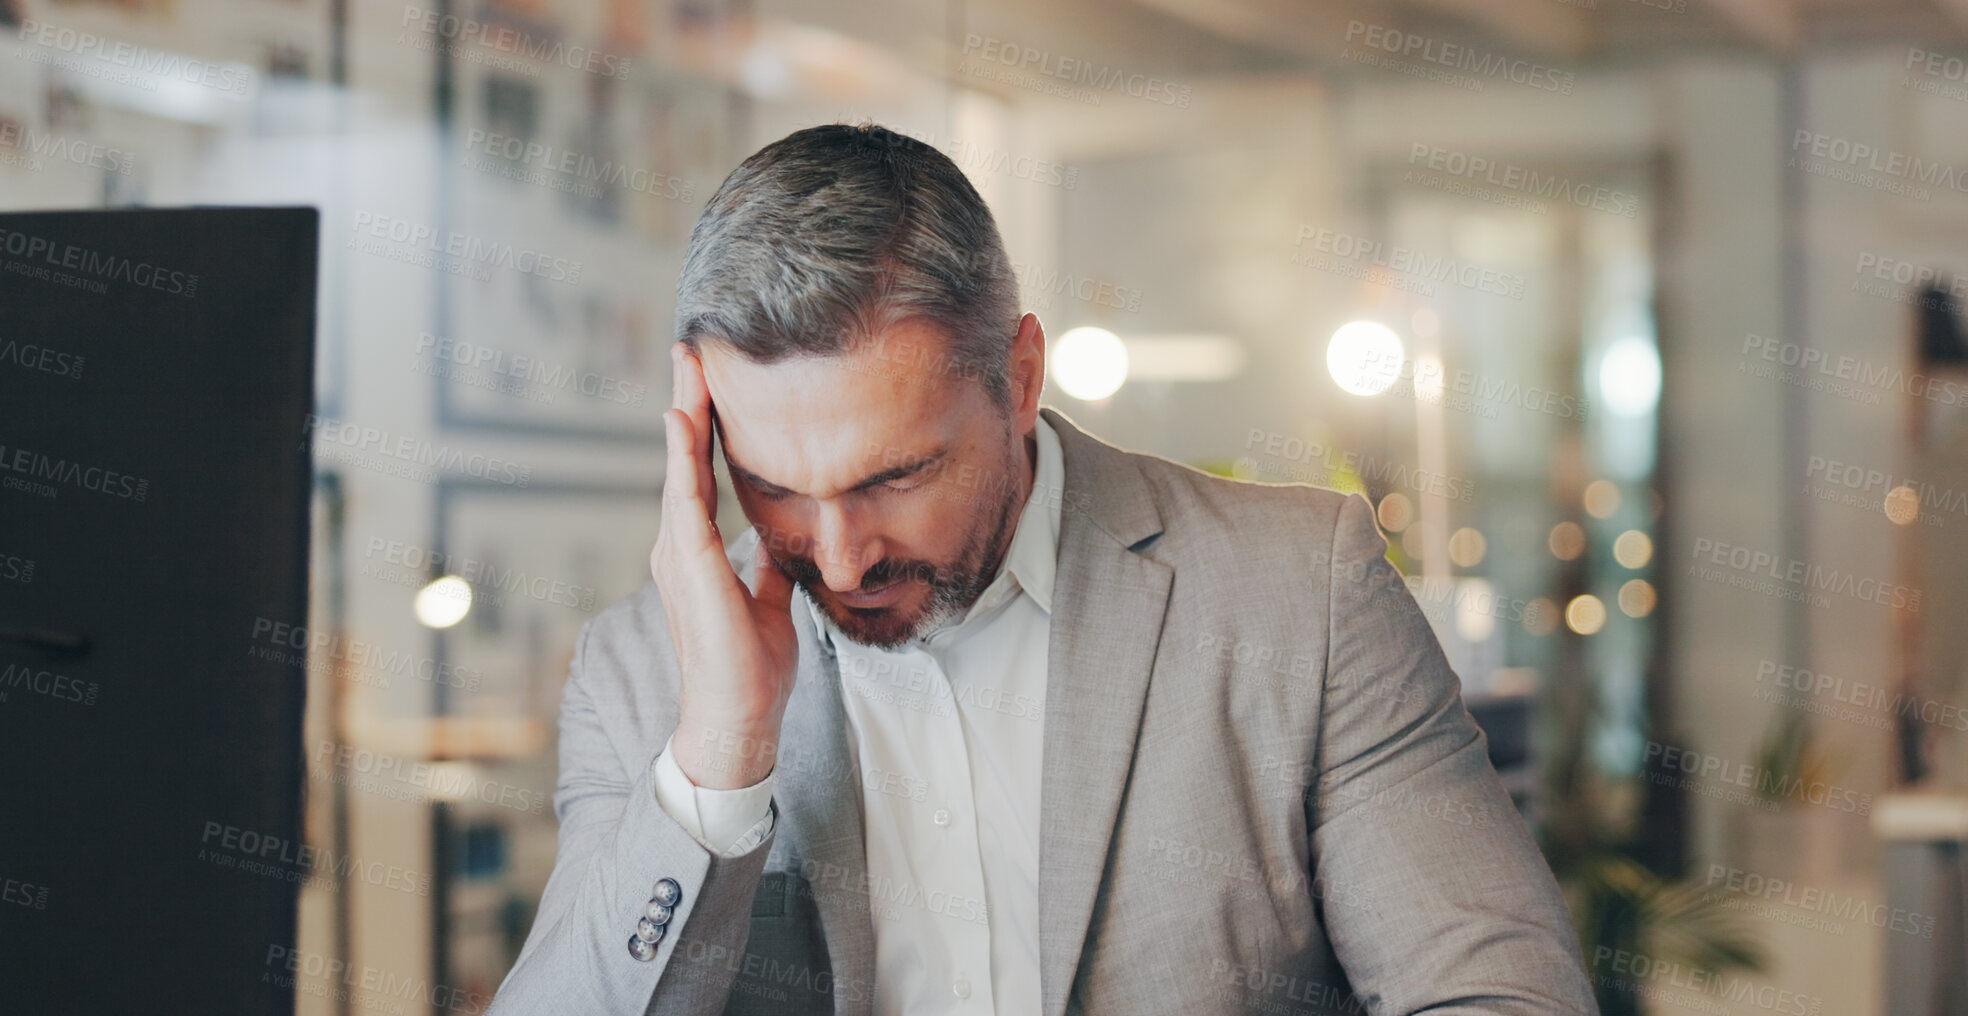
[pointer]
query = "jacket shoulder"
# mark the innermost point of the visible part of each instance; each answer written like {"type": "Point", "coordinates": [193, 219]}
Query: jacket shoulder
{"type": "Point", "coordinates": [1253, 520]}
{"type": "Point", "coordinates": [632, 614]}
{"type": "Point", "coordinates": [629, 638]}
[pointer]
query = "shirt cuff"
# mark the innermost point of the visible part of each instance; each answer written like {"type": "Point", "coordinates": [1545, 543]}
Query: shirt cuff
{"type": "Point", "coordinates": [729, 823]}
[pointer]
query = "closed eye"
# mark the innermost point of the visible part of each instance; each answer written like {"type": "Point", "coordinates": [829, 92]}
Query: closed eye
{"type": "Point", "coordinates": [900, 479]}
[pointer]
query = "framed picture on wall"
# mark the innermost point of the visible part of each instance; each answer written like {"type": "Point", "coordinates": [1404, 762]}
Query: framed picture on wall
{"type": "Point", "coordinates": [571, 193]}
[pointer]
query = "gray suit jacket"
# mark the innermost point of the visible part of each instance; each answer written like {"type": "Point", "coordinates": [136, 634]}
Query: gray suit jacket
{"type": "Point", "coordinates": [1260, 785]}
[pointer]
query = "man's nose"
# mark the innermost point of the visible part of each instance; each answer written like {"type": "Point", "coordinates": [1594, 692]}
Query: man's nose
{"type": "Point", "coordinates": [842, 554]}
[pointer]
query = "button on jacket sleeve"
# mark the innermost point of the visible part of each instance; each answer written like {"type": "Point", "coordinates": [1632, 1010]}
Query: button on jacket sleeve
{"type": "Point", "coordinates": [617, 847]}
{"type": "Point", "coordinates": [1409, 808]}
{"type": "Point", "coordinates": [728, 823]}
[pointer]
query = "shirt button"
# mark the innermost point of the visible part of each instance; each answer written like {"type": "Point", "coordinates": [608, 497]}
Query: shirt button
{"type": "Point", "coordinates": [961, 989]}
{"type": "Point", "coordinates": [942, 817]}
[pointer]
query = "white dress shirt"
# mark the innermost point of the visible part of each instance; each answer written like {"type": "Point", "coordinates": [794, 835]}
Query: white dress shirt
{"type": "Point", "coordinates": [949, 735]}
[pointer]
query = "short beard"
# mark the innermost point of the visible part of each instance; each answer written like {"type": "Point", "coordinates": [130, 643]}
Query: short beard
{"type": "Point", "coordinates": [952, 589]}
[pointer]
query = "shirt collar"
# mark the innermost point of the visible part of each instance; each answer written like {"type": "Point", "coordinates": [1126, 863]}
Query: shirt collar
{"type": "Point", "coordinates": [1030, 562]}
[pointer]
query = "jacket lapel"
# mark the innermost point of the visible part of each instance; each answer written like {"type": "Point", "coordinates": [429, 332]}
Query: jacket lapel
{"type": "Point", "coordinates": [1108, 606]}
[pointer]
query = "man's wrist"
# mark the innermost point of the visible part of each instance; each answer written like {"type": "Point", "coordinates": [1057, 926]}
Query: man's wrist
{"type": "Point", "coordinates": [726, 756]}
{"type": "Point", "coordinates": [728, 823]}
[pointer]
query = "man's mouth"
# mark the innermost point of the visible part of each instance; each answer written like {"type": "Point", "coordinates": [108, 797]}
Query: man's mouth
{"type": "Point", "coordinates": [879, 597]}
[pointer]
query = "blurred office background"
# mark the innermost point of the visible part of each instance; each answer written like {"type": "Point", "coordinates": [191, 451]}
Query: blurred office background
{"type": "Point", "coordinates": [1639, 320]}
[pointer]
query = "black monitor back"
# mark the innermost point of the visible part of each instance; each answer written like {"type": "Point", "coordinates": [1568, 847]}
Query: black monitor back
{"type": "Point", "coordinates": [156, 372]}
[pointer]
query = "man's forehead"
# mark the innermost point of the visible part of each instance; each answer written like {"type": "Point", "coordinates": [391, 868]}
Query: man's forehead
{"type": "Point", "coordinates": [824, 394]}
{"type": "Point", "coordinates": [824, 423]}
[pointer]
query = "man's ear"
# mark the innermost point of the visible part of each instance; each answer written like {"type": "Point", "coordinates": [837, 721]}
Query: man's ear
{"type": "Point", "coordinates": [1027, 367]}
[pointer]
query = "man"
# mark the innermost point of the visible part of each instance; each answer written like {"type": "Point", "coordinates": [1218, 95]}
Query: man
{"type": "Point", "coordinates": [1049, 725]}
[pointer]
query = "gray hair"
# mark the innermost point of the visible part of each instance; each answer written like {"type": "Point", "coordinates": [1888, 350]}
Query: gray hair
{"type": "Point", "coordinates": [823, 239]}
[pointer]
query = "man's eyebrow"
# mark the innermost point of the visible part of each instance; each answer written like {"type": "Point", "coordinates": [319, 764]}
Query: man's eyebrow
{"type": "Point", "coordinates": [909, 468]}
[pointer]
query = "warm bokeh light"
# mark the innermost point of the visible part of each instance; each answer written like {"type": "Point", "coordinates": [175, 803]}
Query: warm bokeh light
{"type": "Point", "coordinates": [1090, 364]}
{"type": "Point", "coordinates": [1630, 377]}
{"type": "Point", "coordinates": [1585, 614]}
{"type": "Point", "coordinates": [1633, 549]}
{"type": "Point", "coordinates": [1411, 543]}
{"type": "Point", "coordinates": [1397, 512]}
{"type": "Point", "coordinates": [1602, 499]}
{"type": "Point", "coordinates": [1467, 547]}
{"type": "Point", "coordinates": [1364, 357]}
{"type": "Point", "coordinates": [1903, 505]}
{"type": "Point", "coordinates": [1636, 598]}
{"type": "Point", "coordinates": [444, 602]}
{"type": "Point", "coordinates": [1567, 541]}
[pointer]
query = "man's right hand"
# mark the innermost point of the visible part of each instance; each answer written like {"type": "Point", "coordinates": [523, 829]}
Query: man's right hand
{"type": "Point", "coordinates": [736, 649]}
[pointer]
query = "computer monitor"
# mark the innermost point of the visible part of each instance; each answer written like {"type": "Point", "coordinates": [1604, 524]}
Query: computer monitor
{"type": "Point", "coordinates": [156, 373]}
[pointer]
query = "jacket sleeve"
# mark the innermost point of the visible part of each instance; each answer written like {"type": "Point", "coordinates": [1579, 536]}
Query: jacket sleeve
{"type": "Point", "coordinates": [616, 844]}
{"type": "Point", "coordinates": [1409, 812]}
